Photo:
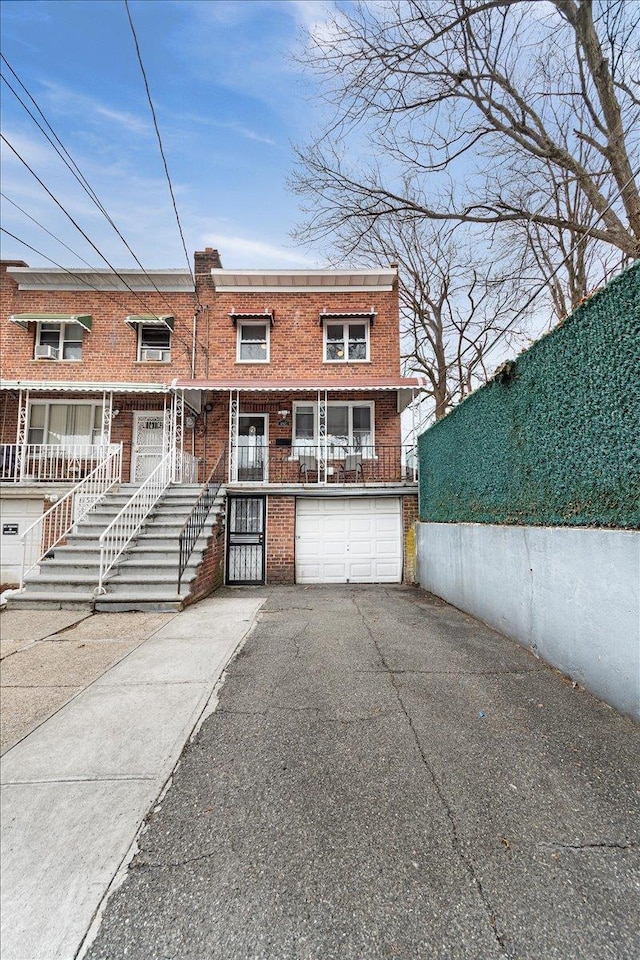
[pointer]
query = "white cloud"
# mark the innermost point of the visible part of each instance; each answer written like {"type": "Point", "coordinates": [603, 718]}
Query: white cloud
{"type": "Point", "coordinates": [69, 102]}
{"type": "Point", "coordinates": [245, 252]}
{"type": "Point", "coordinates": [235, 126]}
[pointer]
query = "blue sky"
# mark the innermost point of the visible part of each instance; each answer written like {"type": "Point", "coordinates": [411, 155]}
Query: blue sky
{"type": "Point", "coordinates": [229, 101]}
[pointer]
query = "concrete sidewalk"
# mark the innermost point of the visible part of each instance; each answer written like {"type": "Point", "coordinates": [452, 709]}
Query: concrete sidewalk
{"type": "Point", "coordinates": [76, 790]}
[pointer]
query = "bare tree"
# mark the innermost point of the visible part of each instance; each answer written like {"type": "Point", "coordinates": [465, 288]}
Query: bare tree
{"type": "Point", "coordinates": [518, 117]}
{"type": "Point", "coordinates": [453, 305]}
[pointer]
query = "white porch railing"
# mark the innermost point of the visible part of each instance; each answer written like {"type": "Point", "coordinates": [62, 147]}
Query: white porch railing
{"type": "Point", "coordinates": [126, 524]}
{"type": "Point", "coordinates": [34, 462]}
{"type": "Point", "coordinates": [57, 522]}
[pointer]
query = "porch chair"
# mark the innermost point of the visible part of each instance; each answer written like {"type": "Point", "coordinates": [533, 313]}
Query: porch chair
{"type": "Point", "coordinates": [352, 463]}
{"type": "Point", "coordinates": [307, 464]}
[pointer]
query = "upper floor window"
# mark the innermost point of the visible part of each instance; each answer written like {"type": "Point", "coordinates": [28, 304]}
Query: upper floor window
{"type": "Point", "coordinates": [346, 342]}
{"type": "Point", "coordinates": [154, 343]}
{"type": "Point", "coordinates": [59, 341]}
{"type": "Point", "coordinates": [253, 342]}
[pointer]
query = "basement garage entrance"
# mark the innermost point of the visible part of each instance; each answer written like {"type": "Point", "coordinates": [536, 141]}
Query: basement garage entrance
{"type": "Point", "coordinates": [349, 540]}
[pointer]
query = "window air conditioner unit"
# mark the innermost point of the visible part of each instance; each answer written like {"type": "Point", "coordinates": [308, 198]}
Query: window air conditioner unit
{"type": "Point", "coordinates": [46, 353]}
{"type": "Point", "coordinates": [153, 354]}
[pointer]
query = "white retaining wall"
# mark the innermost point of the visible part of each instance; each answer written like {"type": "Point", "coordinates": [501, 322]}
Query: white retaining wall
{"type": "Point", "coordinates": [570, 594]}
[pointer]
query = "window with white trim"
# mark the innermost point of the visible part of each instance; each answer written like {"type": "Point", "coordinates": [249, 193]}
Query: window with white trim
{"type": "Point", "coordinates": [65, 423]}
{"type": "Point", "coordinates": [59, 341]}
{"type": "Point", "coordinates": [253, 343]}
{"type": "Point", "coordinates": [154, 343]}
{"type": "Point", "coordinates": [346, 342]}
{"type": "Point", "coordinates": [349, 428]}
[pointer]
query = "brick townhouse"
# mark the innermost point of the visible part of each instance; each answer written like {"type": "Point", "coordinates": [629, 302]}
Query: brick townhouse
{"type": "Point", "coordinates": [281, 388]}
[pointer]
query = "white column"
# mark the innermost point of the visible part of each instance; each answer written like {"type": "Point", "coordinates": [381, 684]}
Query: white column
{"type": "Point", "coordinates": [234, 410]}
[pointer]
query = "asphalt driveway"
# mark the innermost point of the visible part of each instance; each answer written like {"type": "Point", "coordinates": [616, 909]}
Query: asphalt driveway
{"type": "Point", "coordinates": [386, 777]}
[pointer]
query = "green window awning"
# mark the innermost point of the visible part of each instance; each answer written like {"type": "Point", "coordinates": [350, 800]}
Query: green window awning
{"type": "Point", "coordinates": [151, 320]}
{"type": "Point", "coordinates": [24, 319]}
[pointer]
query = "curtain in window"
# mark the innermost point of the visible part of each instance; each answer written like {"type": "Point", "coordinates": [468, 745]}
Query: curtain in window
{"type": "Point", "coordinates": [70, 423]}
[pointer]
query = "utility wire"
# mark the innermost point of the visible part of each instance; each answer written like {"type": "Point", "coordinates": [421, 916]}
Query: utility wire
{"type": "Point", "coordinates": [77, 276]}
{"type": "Point", "coordinates": [42, 227]}
{"type": "Point", "coordinates": [162, 154]}
{"type": "Point", "coordinates": [71, 164]}
{"type": "Point", "coordinates": [545, 284]}
{"type": "Point", "coordinates": [75, 223]}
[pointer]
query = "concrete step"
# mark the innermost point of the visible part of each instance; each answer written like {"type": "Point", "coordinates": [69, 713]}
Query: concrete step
{"type": "Point", "coordinates": [36, 600]}
{"type": "Point", "coordinates": [133, 602]}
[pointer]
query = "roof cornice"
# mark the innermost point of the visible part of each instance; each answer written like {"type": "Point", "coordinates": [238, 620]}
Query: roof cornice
{"type": "Point", "coordinates": [363, 280]}
{"type": "Point", "coordinates": [102, 279]}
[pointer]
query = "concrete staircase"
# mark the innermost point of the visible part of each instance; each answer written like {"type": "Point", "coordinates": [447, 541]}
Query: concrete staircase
{"type": "Point", "coordinates": [146, 575]}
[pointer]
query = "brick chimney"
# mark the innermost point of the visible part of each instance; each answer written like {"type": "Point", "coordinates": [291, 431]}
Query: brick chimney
{"type": "Point", "coordinates": [206, 260]}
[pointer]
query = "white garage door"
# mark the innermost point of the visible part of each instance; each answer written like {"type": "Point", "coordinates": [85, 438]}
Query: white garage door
{"type": "Point", "coordinates": [349, 540]}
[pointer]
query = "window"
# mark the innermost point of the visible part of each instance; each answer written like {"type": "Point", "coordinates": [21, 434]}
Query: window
{"type": "Point", "coordinates": [346, 342]}
{"type": "Point", "coordinates": [65, 423]}
{"type": "Point", "coordinates": [349, 427]}
{"type": "Point", "coordinates": [154, 343]}
{"type": "Point", "coordinates": [304, 427]}
{"type": "Point", "coordinates": [59, 341]}
{"type": "Point", "coordinates": [253, 343]}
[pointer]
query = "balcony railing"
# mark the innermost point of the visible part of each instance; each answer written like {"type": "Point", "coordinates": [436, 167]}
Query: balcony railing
{"type": "Point", "coordinates": [337, 465]}
{"type": "Point", "coordinates": [37, 462]}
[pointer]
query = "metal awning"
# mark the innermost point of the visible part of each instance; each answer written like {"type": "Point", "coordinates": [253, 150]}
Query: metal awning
{"type": "Point", "coordinates": [151, 320]}
{"type": "Point", "coordinates": [66, 386]}
{"type": "Point", "coordinates": [264, 315]}
{"type": "Point", "coordinates": [369, 315]}
{"type": "Point", "coordinates": [290, 386]}
{"type": "Point", "coordinates": [24, 319]}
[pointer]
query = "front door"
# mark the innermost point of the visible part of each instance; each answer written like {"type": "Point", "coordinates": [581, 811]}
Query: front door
{"type": "Point", "coordinates": [147, 448]}
{"type": "Point", "coordinates": [245, 543]}
{"type": "Point", "coordinates": [251, 451]}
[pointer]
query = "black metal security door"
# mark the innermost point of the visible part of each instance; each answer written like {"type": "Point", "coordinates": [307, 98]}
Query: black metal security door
{"type": "Point", "coordinates": [245, 543]}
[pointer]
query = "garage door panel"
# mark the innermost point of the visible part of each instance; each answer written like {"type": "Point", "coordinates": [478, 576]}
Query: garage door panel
{"type": "Point", "coordinates": [348, 540]}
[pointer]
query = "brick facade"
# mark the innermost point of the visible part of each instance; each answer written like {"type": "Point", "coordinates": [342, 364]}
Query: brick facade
{"type": "Point", "coordinates": [281, 523]}
{"type": "Point", "coordinates": [204, 348]}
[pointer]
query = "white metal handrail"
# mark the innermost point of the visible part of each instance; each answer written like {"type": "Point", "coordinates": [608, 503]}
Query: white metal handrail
{"type": "Point", "coordinates": [54, 525]}
{"type": "Point", "coordinates": [126, 524]}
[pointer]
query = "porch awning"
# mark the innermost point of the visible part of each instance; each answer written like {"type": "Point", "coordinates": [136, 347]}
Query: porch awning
{"type": "Point", "coordinates": [289, 386]}
{"type": "Point", "coordinates": [66, 386]}
{"type": "Point", "coordinates": [151, 320]}
{"type": "Point", "coordinates": [24, 319]}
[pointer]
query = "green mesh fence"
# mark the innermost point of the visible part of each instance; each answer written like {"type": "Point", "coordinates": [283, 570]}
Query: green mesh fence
{"type": "Point", "coordinates": [558, 442]}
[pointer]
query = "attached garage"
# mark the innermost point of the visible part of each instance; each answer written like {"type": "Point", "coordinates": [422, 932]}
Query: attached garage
{"type": "Point", "coordinates": [349, 540]}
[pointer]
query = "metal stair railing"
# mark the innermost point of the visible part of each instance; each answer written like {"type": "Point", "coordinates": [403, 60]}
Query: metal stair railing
{"type": "Point", "coordinates": [125, 525]}
{"type": "Point", "coordinates": [58, 521]}
{"type": "Point", "coordinates": [192, 527]}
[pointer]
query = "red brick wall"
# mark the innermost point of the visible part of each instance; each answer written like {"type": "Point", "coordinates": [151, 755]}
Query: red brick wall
{"type": "Point", "coordinates": [109, 351]}
{"type": "Point", "coordinates": [281, 521]}
{"type": "Point", "coordinates": [210, 573]}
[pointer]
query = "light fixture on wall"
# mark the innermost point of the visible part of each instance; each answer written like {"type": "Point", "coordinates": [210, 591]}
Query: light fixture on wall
{"type": "Point", "coordinates": [284, 418]}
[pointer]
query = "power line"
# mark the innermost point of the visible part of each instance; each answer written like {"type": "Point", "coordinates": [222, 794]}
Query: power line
{"type": "Point", "coordinates": [71, 164]}
{"type": "Point", "coordinates": [42, 227]}
{"type": "Point", "coordinates": [76, 276]}
{"type": "Point", "coordinates": [75, 223]}
{"type": "Point", "coordinates": [162, 154]}
{"type": "Point", "coordinates": [545, 284]}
